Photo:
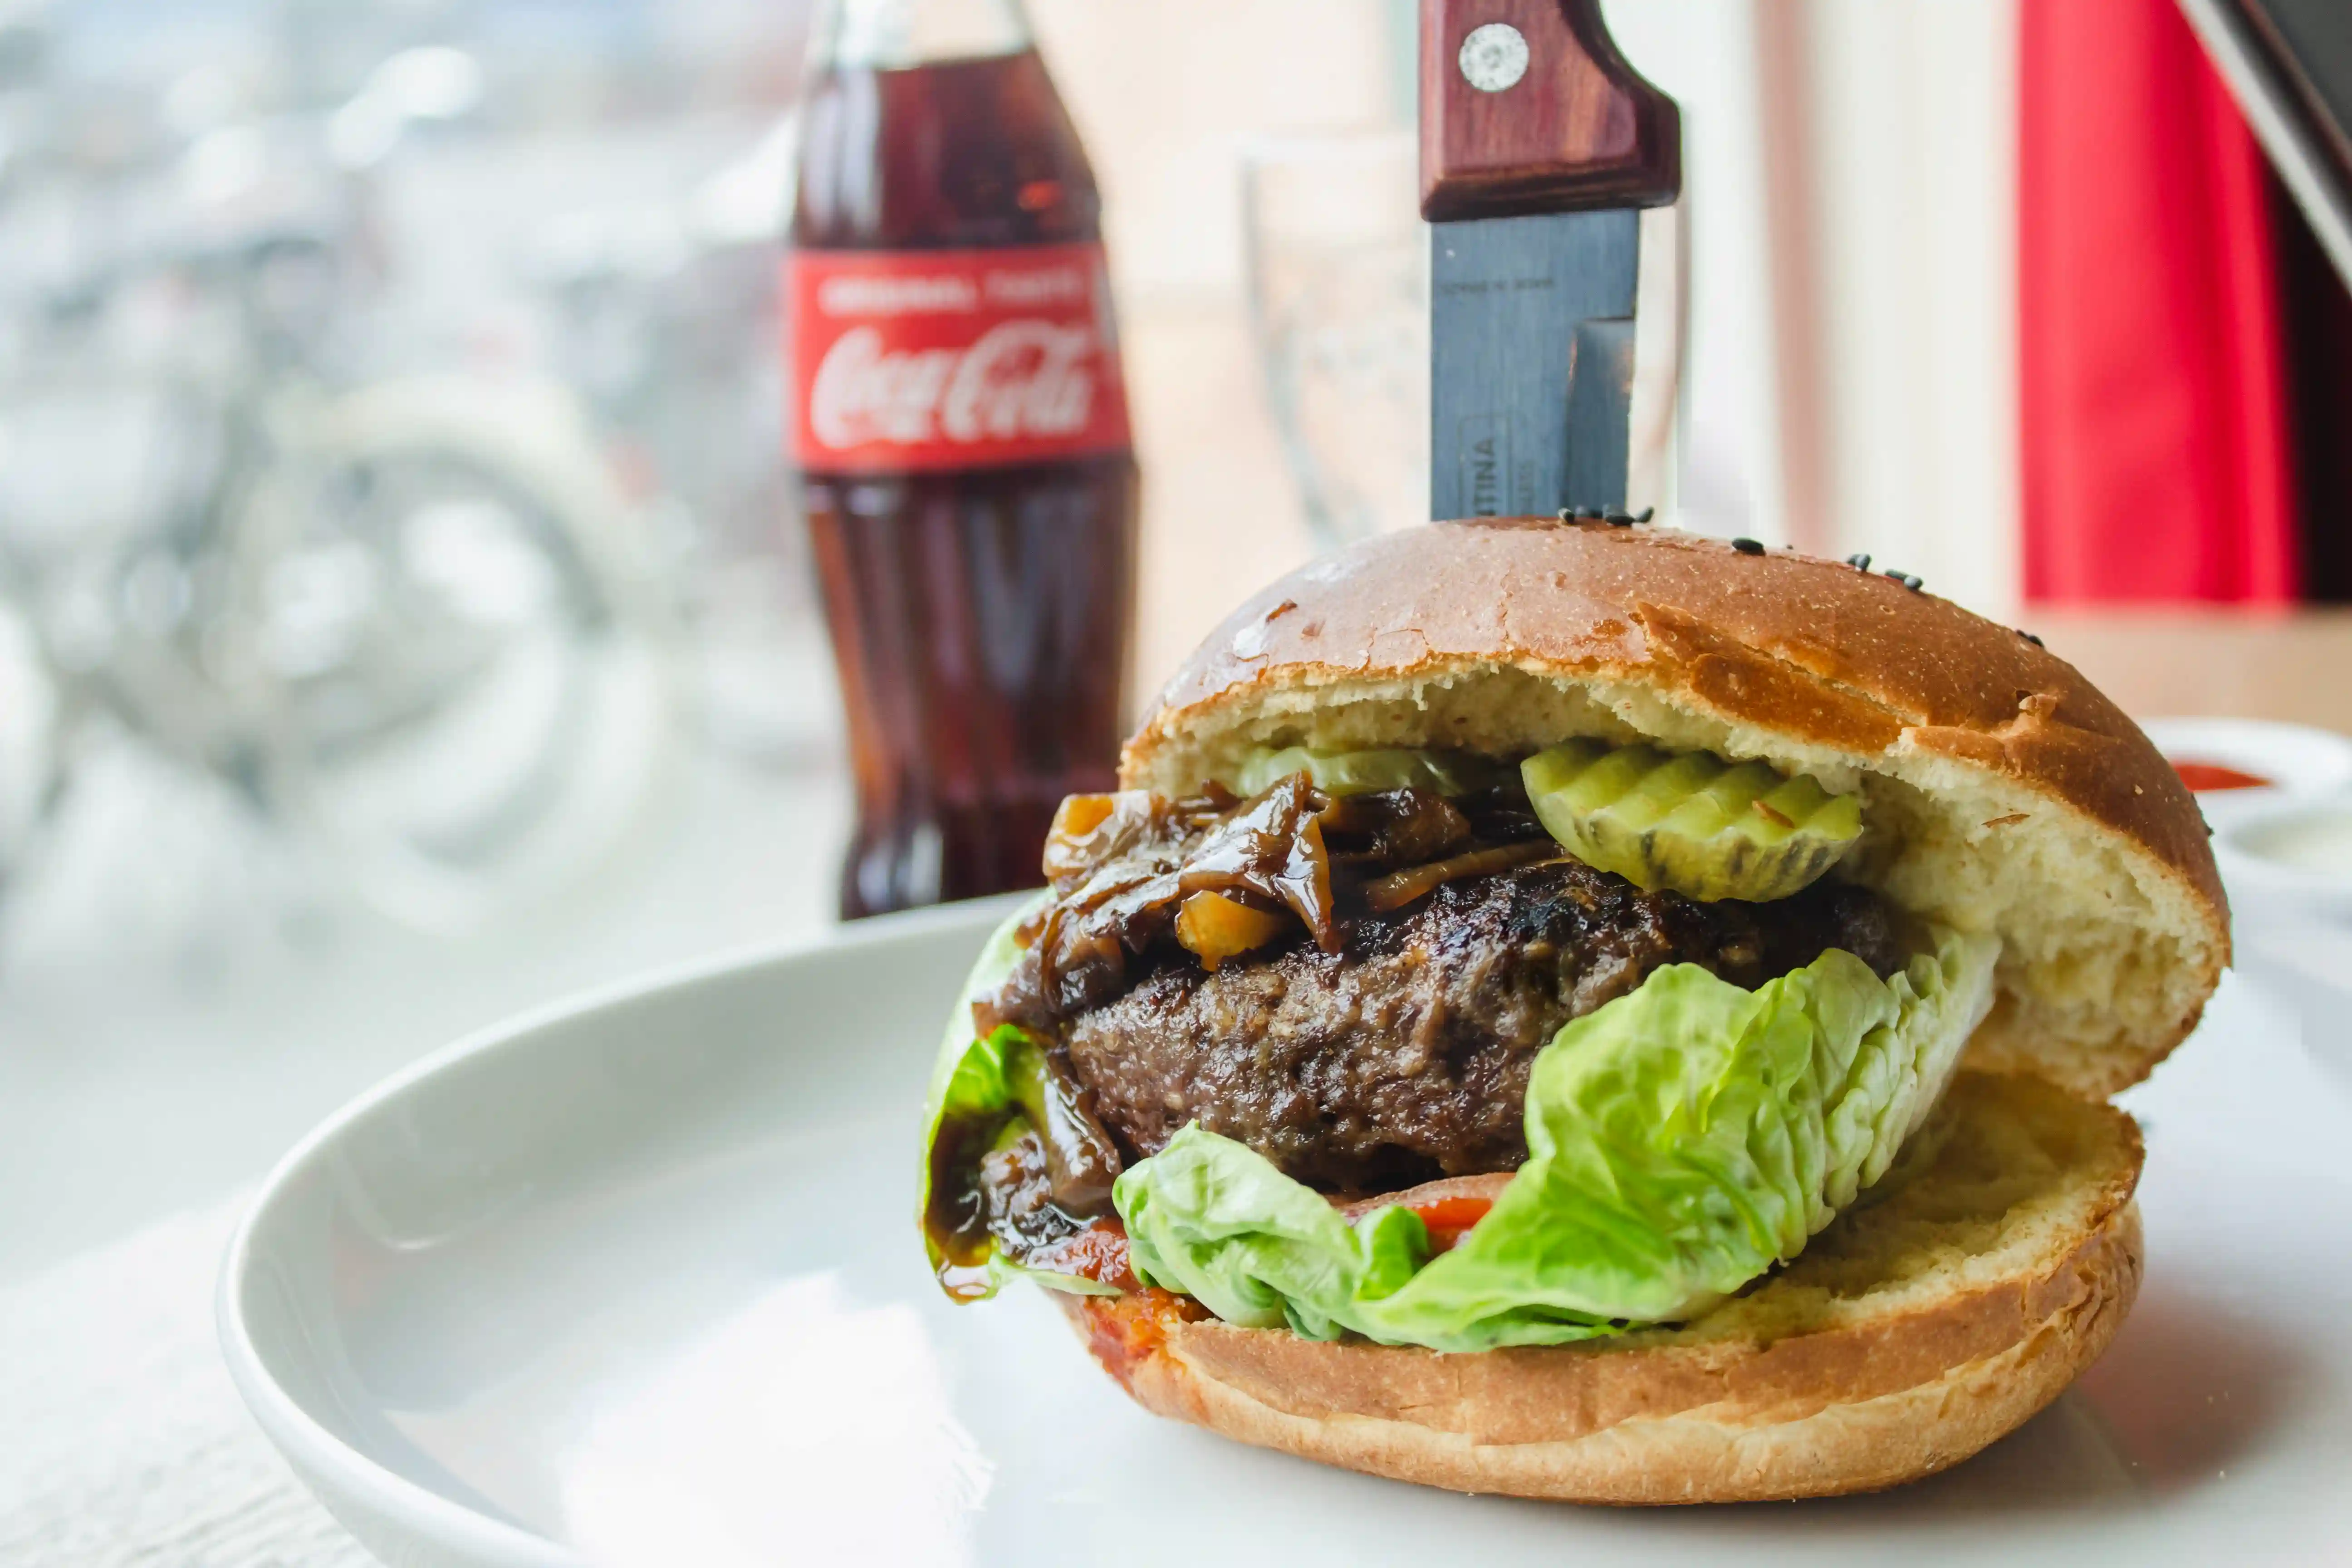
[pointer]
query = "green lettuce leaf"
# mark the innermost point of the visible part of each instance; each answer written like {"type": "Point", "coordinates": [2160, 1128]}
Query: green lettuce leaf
{"type": "Point", "coordinates": [1683, 1140]}
{"type": "Point", "coordinates": [968, 1075]}
{"type": "Point", "coordinates": [1214, 1219]}
{"type": "Point", "coordinates": [969, 1080]}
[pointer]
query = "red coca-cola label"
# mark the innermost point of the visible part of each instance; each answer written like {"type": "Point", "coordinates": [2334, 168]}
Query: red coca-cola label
{"type": "Point", "coordinates": [951, 359]}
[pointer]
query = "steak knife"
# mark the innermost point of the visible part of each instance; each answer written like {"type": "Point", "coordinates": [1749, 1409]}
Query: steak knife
{"type": "Point", "coordinates": [1541, 148]}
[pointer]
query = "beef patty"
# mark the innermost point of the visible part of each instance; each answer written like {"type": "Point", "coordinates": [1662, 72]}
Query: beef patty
{"type": "Point", "coordinates": [1405, 1056]}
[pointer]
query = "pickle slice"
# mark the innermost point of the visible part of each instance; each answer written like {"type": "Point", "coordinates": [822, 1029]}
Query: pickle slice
{"type": "Point", "coordinates": [1368, 773]}
{"type": "Point", "coordinates": [1690, 821]}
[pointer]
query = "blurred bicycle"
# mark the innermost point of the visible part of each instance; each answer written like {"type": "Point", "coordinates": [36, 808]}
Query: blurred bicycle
{"type": "Point", "coordinates": [411, 619]}
{"type": "Point", "coordinates": [663, 316]}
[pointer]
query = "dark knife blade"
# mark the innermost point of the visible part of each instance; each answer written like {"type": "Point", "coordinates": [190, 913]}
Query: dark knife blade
{"type": "Point", "coordinates": [1530, 361]}
{"type": "Point", "coordinates": [1540, 148]}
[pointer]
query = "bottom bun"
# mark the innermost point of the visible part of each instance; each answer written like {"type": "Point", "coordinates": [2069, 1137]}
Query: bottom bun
{"type": "Point", "coordinates": [1947, 1307]}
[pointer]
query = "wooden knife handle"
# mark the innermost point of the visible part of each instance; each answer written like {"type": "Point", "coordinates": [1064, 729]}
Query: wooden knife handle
{"type": "Point", "coordinates": [1578, 128]}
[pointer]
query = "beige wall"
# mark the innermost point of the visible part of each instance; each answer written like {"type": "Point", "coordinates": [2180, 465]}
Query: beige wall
{"type": "Point", "coordinates": [1850, 168]}
{"type": "Point", "coordinates": [1909, 298]}
{"type": "Point", "coordinates": [1166, 95]}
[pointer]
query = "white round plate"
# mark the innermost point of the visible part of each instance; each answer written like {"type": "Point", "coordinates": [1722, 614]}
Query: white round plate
{"type": "Point", "coordinates": [636, 1281]}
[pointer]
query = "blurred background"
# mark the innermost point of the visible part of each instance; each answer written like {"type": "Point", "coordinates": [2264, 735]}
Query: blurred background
{"type": "Point", "coordinates": [403, 614]}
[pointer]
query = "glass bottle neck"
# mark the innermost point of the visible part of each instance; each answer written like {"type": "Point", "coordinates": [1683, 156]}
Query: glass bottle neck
{"type": "Point", "coordinates": [888, 34]}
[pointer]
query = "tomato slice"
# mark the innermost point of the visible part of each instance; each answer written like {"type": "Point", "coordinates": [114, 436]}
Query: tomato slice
{"type": "Point", "coordinates": [1097, 1253]}
{"type": "Point", "coordinates": [1449, 1219]}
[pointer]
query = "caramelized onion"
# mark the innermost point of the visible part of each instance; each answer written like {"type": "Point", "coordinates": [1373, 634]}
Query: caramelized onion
{"type": "Point", "coordinates": [1092, 831]}
{"type": "Point", "coordinates": [1502, 815]}
{"type": "Point", "coordinates": [1081, 1162]}
{"type": "Point", "coordinates": [1400, 888]}
{"type": "Point", "coordinates": [1133, 869]}
{"type": "Point", "coordinates": [1398, 826]}
{"type": "Point", "coordinates": [1217, 928]}
{"type": "Point", "coordinates": [1072, 843]}
{"type": "Point", "coordinates": [1272, 847]}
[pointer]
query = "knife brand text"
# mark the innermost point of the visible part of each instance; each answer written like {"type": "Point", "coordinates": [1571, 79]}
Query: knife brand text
{"type": "Point", "coordinates": [1495, 286]}
{"type": "Point", "coordinates": [1485, 449]}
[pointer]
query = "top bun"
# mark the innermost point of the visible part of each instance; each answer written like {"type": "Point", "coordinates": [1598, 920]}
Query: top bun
{"type": "Point", "coordinates": [2002, 791]}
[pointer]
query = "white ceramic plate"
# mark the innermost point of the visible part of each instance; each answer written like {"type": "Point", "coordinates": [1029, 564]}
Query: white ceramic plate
{"type": "Point", "coordinates": [634, 1282]}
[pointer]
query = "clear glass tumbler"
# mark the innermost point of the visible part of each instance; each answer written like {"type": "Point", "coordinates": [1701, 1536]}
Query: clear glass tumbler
{"type": "Point", "coordinates": [1338, 281]}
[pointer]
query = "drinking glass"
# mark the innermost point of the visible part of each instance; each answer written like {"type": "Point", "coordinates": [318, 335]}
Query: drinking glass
{"type": "Point", "coordinates": [1338, 283]}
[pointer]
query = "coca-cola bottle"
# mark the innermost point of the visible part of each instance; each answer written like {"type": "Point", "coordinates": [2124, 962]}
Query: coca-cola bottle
{"type": "Point", "coordinates": [959, 429]}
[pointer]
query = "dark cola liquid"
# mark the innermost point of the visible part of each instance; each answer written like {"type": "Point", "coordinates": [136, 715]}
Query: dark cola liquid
{"type": "Point", "coordinates": [979, 617]}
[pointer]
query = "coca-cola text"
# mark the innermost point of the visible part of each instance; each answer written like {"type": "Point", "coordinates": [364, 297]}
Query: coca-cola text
{"type": "Point", "coordinates": [953, 358]}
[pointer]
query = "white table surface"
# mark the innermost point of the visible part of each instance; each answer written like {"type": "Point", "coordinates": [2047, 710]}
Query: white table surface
{"type": "Point", "coordinates": [161, 1053]}
{"type": "Point", "coordinates": [174, 1012]}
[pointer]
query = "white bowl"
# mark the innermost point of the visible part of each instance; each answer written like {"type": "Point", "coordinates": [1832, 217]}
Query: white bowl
{"type": "Point", "coordinates": [2297, 759]}
{"type": "Point", "coordinates": [2268, 885]}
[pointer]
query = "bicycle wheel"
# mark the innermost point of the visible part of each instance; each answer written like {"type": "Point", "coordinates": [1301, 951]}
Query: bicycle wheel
{"type": "Point", "coordinates": [462, 645]}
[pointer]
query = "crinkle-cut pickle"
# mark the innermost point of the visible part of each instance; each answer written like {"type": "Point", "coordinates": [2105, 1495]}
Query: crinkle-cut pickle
{"type": "Point", "coordinates": [1366, 772]}
{"type": "Point", "coordinates": [1690, 821]}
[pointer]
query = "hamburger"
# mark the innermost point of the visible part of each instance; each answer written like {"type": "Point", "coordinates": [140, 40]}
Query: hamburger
{"type": "Point", "coordinates": [1589, 1012]}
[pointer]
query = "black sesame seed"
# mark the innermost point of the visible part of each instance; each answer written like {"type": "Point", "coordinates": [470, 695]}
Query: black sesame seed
{"type": "Point", "coordinates": [1859, 563]}
{"type": "Point", "coordinates": [1565, 515]}
{"type": "Point", "coordinates": [1747, 547]}
{"type": "Point", "coordinates": [1645, 514]}
{"type": "Point", "coordinates": [1911, 582]}
{"type": "Point", "coordinates": [1616, 519]}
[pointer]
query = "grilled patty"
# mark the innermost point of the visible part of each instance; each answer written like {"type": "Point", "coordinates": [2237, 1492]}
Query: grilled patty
{"type": "Point", "coordinates": [1405, 1056]}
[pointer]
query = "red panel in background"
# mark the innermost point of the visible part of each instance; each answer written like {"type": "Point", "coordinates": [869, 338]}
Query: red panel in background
{"type": "Point", "coordinates": [2153, 389]}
